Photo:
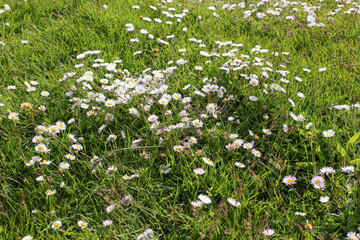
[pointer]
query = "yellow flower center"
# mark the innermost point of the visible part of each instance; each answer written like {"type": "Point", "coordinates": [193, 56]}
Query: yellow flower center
{"type": "Point", "coordinates": [317, 182]}
{"type": "Point", "coordinates": [56, 225]}
{"type": "Point", "coordinates": [41, 148]}
{"type": "Point", "coordinates": [290, 180]}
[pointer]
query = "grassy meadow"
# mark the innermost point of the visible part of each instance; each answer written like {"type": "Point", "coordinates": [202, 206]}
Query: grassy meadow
{"type": "Point", "coordinates": [129, 119]}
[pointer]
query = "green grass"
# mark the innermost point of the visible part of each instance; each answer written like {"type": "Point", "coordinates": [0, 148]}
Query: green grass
{"type": "Point", "coordinates": [58, 31]}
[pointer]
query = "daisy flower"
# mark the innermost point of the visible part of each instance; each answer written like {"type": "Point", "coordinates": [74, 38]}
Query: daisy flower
{"type": "Point", "coordinates": [45, 162]}
{"type": "Point", "coordinates": [40, 179]}
{"type": "Point", "coordinates": [253, 98]}
{"type": "Point", "coordinates": [318, 182]}
{"type": "Point", "coordinates": [77, 147]}
{"type": "Point", "coordinates": [204, 198]}
{"type": "Point", "coordinates": [13, 116]}
{"type": "Point", "coordinates": [328, 133]}
{"type": "Point", "coordinates": [256, 153]}
{"type": "Point", "coordinates": [178, 148]}
{"type": "Point", "coordinates": [352, 236]}
{"type": "Point", "coordinates": [266, 131]}
{"type": "Point", "coordinates": [61, 125]}
{"type": "Point", "coordinates": [111, 137]}
{"type": "Point", "coordinates": [208, 161]}
{"type": "Point", "coordinates": [30, 163]}
{"type": "Point", "coordinates": [82, 224]}
{"type": "Point", "coordinates": [186, 100]}
{"type": "Point", "coordinates": [300, 214]}
{"type": "Point", "coordinates": [28, 237]}
{"type": "Point", "coordinates": [199, 171]}
{"type": "Point", "coordinates": [56, 225]}
{"type": "Point", "coordinates": [326, 170]}
{"type": "Point", "coordinates": [64, 165]}
{"type": "Point", "coordinates": [285, 127]}
{"type": "Point", "coordinates": [44, 93]}
{"type": "Point", "coordinates": [110, 103]}
{"type": "Point", "coordinates": [197, 123]}
{"type": "Point", "coordinates": [229, 147]}
{"type": "Point", "coordinates": [126, 177]}
{"type": "Point", "coordinates": [239, 164]}
{"type": "Point", "coordinates": [152, 118]}
{"type": "Point", "coordinates": [148, 233]}
{"type": "Point", "coordinates": [233, 202]}
{"type": "Point", "coordinates": [308, 125]}
{"type": "Point", "coordinates": [248, 145]}
{"type": "Point", "coordinates": [109, 117]}
{"type": "Point", "coordinates": [111, 170]}
{"type": "Point", "coordinates": [197, 203]}
{"type": "Point", "coordinates": [54, 129]}
{"type": "Point", "coordinates": [41, 148]}
{"type": "Point", "coordinates": [37, 139]}
{"type": "Point", "coordinates": [237, 143]}
{"type": "Point", "coordinates": [348, 169]}
{"type": "Point", "coordinates": [324, 199]}
{"type": "Point", "coordinates": [70, 157]}
{"type": "Point", "coordinates": [110, 208]}
{"type": "Point", "coordinates": [107, 223]}
{"type": "Point", "coordinates": [268, 232]}
{"type": "Point", "coordinates": [289, 180]}
{"type": "Point", "coordinates": [50, 192]}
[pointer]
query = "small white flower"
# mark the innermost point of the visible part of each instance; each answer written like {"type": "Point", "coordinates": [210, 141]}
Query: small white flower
{"type": "Point", "coordinates": [28, 237]}
{"type": "Point", "coordinates": [199, 171]}
{"type": "Point", "coordinates": [300, 214]}
{"type": "Point", "coordinates": [253, 98]}
{"type": "Point", "coordinates": [82, 224]}
{"type": "Point", "coordinates": [56, 225]}
{"type": "Point", "coordinates": [348, 169]}
{"type": "Point", "coordinates": [204, 198]}
{"type": "Point", "coordinates": [40, 179]}
{"type": "Point", "coordinates": [324, 199]}
{"type": "Point", "coordinates": [107, 223]}
{"type": "Point", "coordinates": [50, 192]}
{"type": "Point", "coordinates": [197, 203]}
{"type": "Point", "coordinates": [328, 133]}
{"type": "Point", "coordinates": [208, 161]}
{"type": "Point", "coordinates": [239, 164]}
{"type": "Point", "coordinates": [233, 202]}
{"type": "Point", "coordinates": [110, 208]}
{"type": "Point", "coordinates": [300, 95]}
{"type": "Point", "coordinates": [308, 125]}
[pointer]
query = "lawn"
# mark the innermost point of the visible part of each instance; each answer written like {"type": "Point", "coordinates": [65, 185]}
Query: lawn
{"type": "Point", "coordinates": [179, 119]}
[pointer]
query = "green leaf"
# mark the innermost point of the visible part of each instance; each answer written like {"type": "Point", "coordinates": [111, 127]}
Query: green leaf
{"type": "Point", "coordinates": [355, 161]}
{"type": "Point", "coordinates": [211, 213]}
{"type": "Point", "coordinates": [318, 149]}
{"type": "Point", "coordinates": [309, 165]}
{"type": "Point", "coordinates": [342, 151]}
{"type": "Point", "coordinates": [354, 138]}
